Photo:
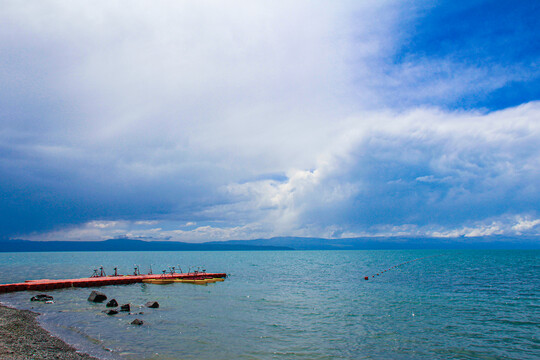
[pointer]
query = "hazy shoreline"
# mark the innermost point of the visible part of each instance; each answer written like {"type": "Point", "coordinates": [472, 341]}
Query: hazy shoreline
{"type": "Point", "coordinates": [21, 337]}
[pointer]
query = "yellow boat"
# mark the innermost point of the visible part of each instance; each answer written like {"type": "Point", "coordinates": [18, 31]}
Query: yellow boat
{"type": "Point", "coordinates": [158, 281]}
{"type": "Point", "coordinates": [192, 281]}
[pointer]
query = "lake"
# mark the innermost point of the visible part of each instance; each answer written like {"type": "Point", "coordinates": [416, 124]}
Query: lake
{"type": "Point", "coordinates": [462, 304]}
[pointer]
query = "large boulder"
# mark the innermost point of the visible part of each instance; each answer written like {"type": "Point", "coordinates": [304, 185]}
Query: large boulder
{"type": "Point", "coordinates": [96, 296]}
{"type": "Point", "coordinates": [41, 297]}
{"type": "Point", "coordinates": [152, 304]}
{"type": "Point", "coordinates": [125, 307]}
{"type": "Point", "coordinates": [137, 322]}
{"type": "Point", "coordinates": [112, 303]}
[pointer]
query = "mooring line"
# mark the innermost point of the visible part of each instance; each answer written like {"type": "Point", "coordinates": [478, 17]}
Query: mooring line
{"type": "Point", "coordinates": [395, 266]}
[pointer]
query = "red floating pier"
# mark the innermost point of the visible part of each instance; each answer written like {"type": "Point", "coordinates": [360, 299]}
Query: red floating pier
{"type": "Point", "coordinates": [47, 284]}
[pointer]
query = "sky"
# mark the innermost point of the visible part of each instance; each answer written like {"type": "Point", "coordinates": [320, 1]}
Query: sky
{"type": "Point", "coordinates": [204, 120]}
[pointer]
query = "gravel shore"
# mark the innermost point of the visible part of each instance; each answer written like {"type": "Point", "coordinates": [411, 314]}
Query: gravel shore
{"type": "Point", "coordinates": [21, 337]}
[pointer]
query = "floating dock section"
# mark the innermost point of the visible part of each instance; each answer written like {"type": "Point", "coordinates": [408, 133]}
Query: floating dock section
{"type": "Point", "coordinates": [47, 284]}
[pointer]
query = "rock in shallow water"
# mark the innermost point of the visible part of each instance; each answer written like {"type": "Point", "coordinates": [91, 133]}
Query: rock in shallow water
{"type": "Point", "coordinates": [112, 303]}
{"type": "Point", "coordinates": [110, 312]}
{"type": "Point", "coordinates": [152, 304]}
{"type": "Point", "coordinates": [125, 307]}
{"type": "Point", "coordinates": [96, 296]}
{"type": "Point", "coordinates": [41, 297]}
{"type": "Point", "coordinates": [137, 322]}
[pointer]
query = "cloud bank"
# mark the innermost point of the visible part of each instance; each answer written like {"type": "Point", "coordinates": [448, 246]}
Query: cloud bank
{"type": "Point", "coordinates": [202, 121]}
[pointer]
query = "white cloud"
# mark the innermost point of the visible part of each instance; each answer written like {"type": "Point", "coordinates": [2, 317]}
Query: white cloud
{"type": "Point", "coordinates": [103, 224]}
{"type": "Point", "coordinates": [90, 231]}
{"type": "Point", "coordinates": [146, 222]}
{"type": "Point", "coordinates": [525, 224]}
{"type": "Point", "coordinates": [510, 225]}
{"type": "Point", "coordinates": [470, 163]}
{"type": "Point", "coordinates": [475, 162]}
{"type": "Point", "coordinates": [173, 112]}
{"type": "Point", "coordinates": [473, 168]}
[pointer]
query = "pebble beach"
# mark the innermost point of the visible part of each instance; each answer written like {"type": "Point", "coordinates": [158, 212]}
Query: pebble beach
{"type": "Point", "coordinates": [21, 337]}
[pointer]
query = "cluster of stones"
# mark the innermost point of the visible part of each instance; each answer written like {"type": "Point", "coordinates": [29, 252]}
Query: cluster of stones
{"type": "Point", "coordinates": [99, 297]}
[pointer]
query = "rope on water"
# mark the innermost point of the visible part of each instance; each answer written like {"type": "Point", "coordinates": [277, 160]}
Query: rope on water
{"type": "Point", "coordinates": [398, 265]}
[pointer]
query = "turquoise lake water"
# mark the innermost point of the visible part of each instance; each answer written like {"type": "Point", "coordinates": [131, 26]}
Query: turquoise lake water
{"type": "Point", "coordinates": [452, 304]}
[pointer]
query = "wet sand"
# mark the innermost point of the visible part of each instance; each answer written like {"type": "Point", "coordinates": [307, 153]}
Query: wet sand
{"type": "Point", "coordinates": [21, 337]}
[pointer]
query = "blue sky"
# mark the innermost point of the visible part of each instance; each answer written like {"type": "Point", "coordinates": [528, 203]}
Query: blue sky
{"type": "Point", "coordinates": [198, 121]}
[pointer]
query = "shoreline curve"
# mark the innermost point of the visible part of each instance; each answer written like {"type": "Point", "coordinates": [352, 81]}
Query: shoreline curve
{"type": "Point", "coordinates": [22, 337]}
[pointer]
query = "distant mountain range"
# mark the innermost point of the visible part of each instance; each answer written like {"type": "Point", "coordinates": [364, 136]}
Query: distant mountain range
{"type": "Point", "coordinates": [277, 243]}
{"type": "Point", "coordinates": [125, 245]}
{"type": "Point", "coordinates": [382, 243]}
